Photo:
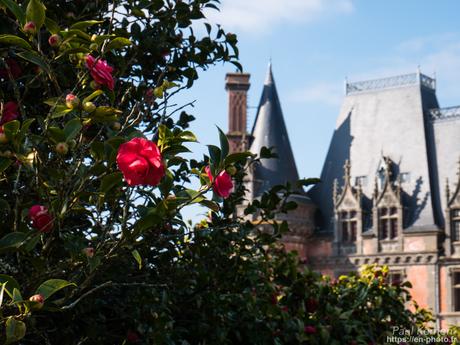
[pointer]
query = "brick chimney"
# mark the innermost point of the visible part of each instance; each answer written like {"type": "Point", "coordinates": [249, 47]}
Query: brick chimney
{"type": "Point", "coordinates": [237, 85]}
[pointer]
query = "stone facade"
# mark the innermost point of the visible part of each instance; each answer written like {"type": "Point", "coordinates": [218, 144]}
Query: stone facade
{"type": "Point", "coordinates": [390, 190]}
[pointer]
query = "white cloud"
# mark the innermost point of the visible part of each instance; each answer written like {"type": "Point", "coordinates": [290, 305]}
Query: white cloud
{"type": "Point", "coordinates": [328, 93]}
{"type": "Point", "coordinates": [260, 16]}
{"type": "Point", "coordinates": [437, 55]}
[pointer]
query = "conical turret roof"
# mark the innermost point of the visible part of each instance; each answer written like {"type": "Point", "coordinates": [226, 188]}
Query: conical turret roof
{"type": "Point", "coordinates": [270, 130]}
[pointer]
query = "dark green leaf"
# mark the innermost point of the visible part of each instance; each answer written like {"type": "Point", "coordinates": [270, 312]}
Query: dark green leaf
{"type": "Point", "coordinates": [210, 204]}
{"type": "Point", "coordinates": [110, 181]}
{"type": "Point", "coordinates": [50, 287]}
{"type": "Point", "coordinates": [56, 134]}
{"type": "Point", "coordinates": [52, 26]}
{"type": "Point", "coordinates": [118, 43]}
{"type": "Point", "coordinates": [84, 24]}
{"type": "Point", "coordinates": [138, 258]}
{"type": "Point", "coordinates": [11, 128]}
{"type": "Point", "coordinates": [72, 128]}
{"type": "Point", "coordinates": [35, 59]}
{"type": "Point", "coordinates": [35, 12]}
{"type": "Point", "coordinates": [12, 240]}
{"type": "Point", "coordinates": [15, 330]}
{"type": "Point", "coordinates": [60, 111]}
{"type": "Point", "coordinates": [4, 163]}
{"type": "Point", "coordinates": [15, 9]}
{"type": "Point", "coordinates": [11, 284]}
{"type": "Point", "coordinates": [223, 144]}
{"type": "Point", "coordinates": [214, 154]}
{"type": "Point", "coordinates": [13, 40]}
{"type": "Point", "coordinates": [236, 157]}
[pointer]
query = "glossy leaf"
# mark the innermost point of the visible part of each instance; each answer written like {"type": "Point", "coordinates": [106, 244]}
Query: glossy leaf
{"type": "Point", "coordinates": [35, 12]}
{"type": "Point", "coordinates": [85, 24]}
{"type": "Point", "coordinates": [14, 41]}
{"type": "Point", "coordinates": [4, 163]}
{"type": "Point", "coordinates": [110, 181]}
{"type": "Point", "coordinates": [11, 284]}
{"type": "Point", "coordinates": [15, 330]}
{"type": "Point", "coordinates": [72, 128]}
{"type": "Point", "coordinates": [15, 9]}
{"type": "Point", "coordinates": [118, 43]}
{"type": "Point", "coordinates": [35, 59]}
{"type": "Point", "coordinates": [137, 257]}
{"type": "Point", "coordinates": [50, 287]}
{"type": "Point", "coordinates": [52, 26]}
{"type": "Point", "coordinates": [224, 147]}
{"type": "Point", "coordinates": [12, 240]}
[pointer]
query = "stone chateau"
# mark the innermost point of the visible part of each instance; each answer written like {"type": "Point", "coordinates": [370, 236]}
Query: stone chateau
{"type": "Point", "coordinates": [390, 190]}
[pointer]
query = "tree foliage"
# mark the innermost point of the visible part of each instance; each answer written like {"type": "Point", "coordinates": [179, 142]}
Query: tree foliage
{"type": "Point", "coordinates": [87, 258]}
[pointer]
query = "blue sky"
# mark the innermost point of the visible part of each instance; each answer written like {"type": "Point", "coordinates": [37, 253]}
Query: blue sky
{"type": "Point", "coordinates": [314, 45]}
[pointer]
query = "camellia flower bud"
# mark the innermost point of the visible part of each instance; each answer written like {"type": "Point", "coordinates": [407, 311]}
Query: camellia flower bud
{"type": "Point", "coordinates": [30, 28]}
{"type": "Point", "coordinates": [72, 101]}
{"type": "Point", "coordinates": [231, 170]}
{"type": "Point", "coordinates": [89, 252]}
{"type": "Point", "coordinates": [116, 126]}
{"type": "Point", "coordinates": [89, 107]}
{"type": "Point", "coordinates": [62, 148]}
{"type": "Point", "coordinates": [3, 138]}
{"type": "Point", "coordinates": [54, 40]}
{"type": "Point", "coordinates": [39, 300]}
{"type": "Point", "coordinates": [94, 85]}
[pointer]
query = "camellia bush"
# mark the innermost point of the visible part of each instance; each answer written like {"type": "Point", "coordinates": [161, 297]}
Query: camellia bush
{"type": "Point", "coordinates": [93, 178]}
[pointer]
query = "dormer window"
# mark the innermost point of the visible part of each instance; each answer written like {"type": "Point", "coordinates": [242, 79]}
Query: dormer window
{"type": "Point", "coordinates": [349, 226]}
{"type": "Point", "coordinates": [388, 223]}
{"type": "Point", "coordinates": [455, 224]}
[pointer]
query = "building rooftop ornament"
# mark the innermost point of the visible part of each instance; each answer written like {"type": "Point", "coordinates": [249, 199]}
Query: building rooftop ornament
{"type": "Point", "coordinates": [440, 114]}
{"type": "Point", "coordinates": [391, 82]}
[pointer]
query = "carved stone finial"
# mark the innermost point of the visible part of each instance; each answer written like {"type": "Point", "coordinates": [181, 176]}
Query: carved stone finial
{"type": "Point", "coordinates": [447, 191]}
{"type": "Point", "coordinates": [387, 168]}
{"type": "Point", "coordinates": [399, 187]}
{"type": "Point", "coordinates": [359, 191]}
{"type": "Point", "coordinates": [347, 168]}
{"type": "Point", "coordinates": [376, 188]}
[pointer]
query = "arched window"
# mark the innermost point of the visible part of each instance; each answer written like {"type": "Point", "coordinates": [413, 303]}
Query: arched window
{"type": "Point", "coordinates": [349, 225]}
{"type": "Point", "coordinates": [388, 223]}
{"type": "Point", "coordinates": [455, 224]}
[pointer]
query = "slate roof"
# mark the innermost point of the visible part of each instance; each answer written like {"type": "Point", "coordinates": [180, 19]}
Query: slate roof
{"type": "Point", "coordinates": [270, 130]}
{"type": "Point", "coordinates": [391, 117]}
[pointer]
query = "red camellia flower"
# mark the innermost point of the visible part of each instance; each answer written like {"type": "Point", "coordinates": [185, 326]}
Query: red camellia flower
{"type": "Point", "coordinates": [222, 184]}
{"type": "Point", "coordinates": [41, 218]}
{"type": "Point", "coordinates": [140, 162]}
{"type": "Point", "coordinates": [100, 71]}
{"type": "Point", "coordinates": [310, 329]}
{"type": "Point", "coordinates": [14, 68]}
{"type": "Point", "coordinates": [10, 112]}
